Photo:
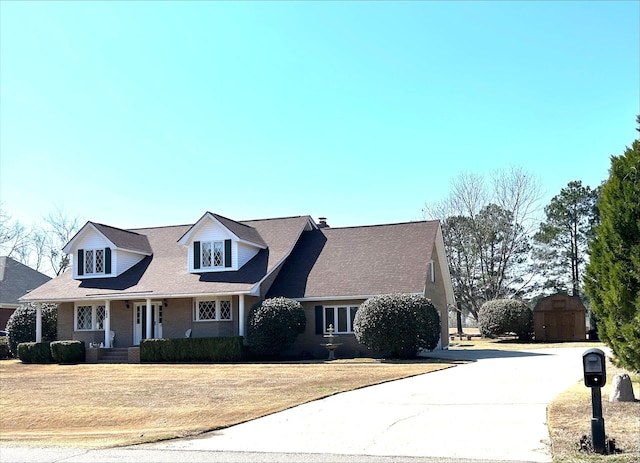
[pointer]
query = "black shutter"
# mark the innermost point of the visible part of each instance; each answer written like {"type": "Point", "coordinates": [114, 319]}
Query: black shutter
{"type": "Point", "coordinates": [80, 262]}
{"type": "Point", "coordinates": [227, 253]}
{"type": "Point", "coordinates": [196, 255]}
{"type": "Point", "coordinates": [107, 261]}
{"type": "Point", "coordinates": [319, 320]}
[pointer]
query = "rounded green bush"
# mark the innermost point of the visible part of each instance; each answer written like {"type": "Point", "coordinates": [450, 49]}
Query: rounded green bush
{"type": "Point", "coordinates": [273, 326]}
{"type": "Point", "coordinates": [398, 324]}
{"type": "Point", "coordinates": [506, 316]}
{"type": "Point", "coordinates": [21, 326]}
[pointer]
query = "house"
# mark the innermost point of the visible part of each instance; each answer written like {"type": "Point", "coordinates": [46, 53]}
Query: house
{"type": "Point", "coordinates": [560, 317]}
{"type": "Point", "coordinates": [202, 279]}
{"type": "Point", "coordinates": [16, 279]}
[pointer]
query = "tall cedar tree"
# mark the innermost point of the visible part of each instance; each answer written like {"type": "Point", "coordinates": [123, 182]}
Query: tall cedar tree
{"type": "Point", "coordinates": [613, 273]}
{"type": "Point", "coordinates": [563, 239]}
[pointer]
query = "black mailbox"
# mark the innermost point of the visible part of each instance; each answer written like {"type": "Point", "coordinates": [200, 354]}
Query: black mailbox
{"type": "Point", "coordinates": [594, 365]}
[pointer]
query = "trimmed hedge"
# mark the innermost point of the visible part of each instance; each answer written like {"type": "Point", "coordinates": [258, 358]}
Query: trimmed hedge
{"type": "Point", "coordinates": [506, 316]}
{"type": "Point", "coordinates": [222, 349]}
{"type": "Point", "coordinates": [68, 351]}
{"type": "Point", "coordinates": [35, 352]}
{"type": "Point", "coordinates": [273, 326]}
{"type": "Point", "coordinates": [398, 324]}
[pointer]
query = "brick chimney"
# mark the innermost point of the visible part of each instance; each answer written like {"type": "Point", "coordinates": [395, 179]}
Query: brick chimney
{"type": "Point", "coordinates": [323, 222]}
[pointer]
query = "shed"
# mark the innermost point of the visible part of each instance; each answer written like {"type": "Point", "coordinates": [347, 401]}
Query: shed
{"type": "Point", "coordinates": [560, 317]}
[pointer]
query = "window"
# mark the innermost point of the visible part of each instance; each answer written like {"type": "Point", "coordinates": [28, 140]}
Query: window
{"type": "Point", "coordinates": [340, 317]}
{"type": "Point", "coordinates": [212, 310]}
{"type": "Point", "coordinates": [93, 262]}
{"type": "Point", "coordinates": [432, 272]}
{"type": "Point", "coordinates": [90, 317]}
{"type": "Point", "coordinates": [212, 254]}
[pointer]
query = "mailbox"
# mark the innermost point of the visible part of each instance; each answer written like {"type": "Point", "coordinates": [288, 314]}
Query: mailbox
{"type": "Point", "coordinates": [593, 363]}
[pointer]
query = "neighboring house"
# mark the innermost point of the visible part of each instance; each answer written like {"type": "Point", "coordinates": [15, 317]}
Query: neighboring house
{"type": "Point", "coordinates": [202, 279]}
{"type": "Point", "coordinates": [16, 279]}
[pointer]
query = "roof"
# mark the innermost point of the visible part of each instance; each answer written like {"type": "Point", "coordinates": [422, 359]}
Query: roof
{"type": "Point", "coordinates": [125, 239]}
{"type": "Point", "coordinates": [241, 230]}
{"type": "Point", "coordinates": [17, 279]}
{"type": "Point", "coordinates": [165, 273]}
{"type": "Point", "coordinates": [359, 261]}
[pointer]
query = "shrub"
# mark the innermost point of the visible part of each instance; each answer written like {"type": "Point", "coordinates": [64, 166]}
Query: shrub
{"type": "Point", "coordinates": [4, 347]}
{"type": "Point", "coordinates": [273, 326]}
{"type": "Point", "coordinates": [506, 316]}
{"type": "Point", "coordinates": [34, 352]}
{"type": "Point", "coordinates": [67, 351]}
{"type": "Point", "coordinates": [21, 326]}
{"type": "Point", "coordinates": [398, 324]}
{"type": "Point", "coordinates": [222, 349]}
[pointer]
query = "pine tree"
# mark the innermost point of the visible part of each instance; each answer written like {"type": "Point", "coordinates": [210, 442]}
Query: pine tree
{"type": "Point", "coordinates": [613, 274]}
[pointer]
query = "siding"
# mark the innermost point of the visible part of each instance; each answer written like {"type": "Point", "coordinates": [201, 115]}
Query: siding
{"type": "Point", "coordinates": [244, 253]}
{"type": "Point", "coordinates": [121, 261]}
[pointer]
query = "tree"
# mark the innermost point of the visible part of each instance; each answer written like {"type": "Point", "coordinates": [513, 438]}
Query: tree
{"type": "Point", "coordinates": [59, 227]}
{"type": "Point", "coordinates": [13, 237]}
{"type": "Point", "coordinates": [399, 324]}
{"type": "Point", "coordinates": [613, 273]}
{"type": "Point", "coordinates": [562, 239]}
{"type": "Point", "coordinates": [273, 326]}
{"type": "Point", "coordinates": [487, 236]}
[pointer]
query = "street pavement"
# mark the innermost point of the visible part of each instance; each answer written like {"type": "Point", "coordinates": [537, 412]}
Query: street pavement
{"type": "Point", "coordinates": [491, 409]}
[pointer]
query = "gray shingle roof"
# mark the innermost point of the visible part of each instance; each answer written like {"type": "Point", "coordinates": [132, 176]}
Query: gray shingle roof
{"type": "Point", "coordinates": [358, 261]}
{"type": "Point", "coordinates": [17, 279]}
{"type": "Point", "coordinates": [125, 239]}
{"type": "Point", "coordinates": [241, 230]}
{"type": "Point", "coordinates": [165, 273]}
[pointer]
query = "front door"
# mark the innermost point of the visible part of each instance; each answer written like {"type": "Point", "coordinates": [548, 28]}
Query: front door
{"type": "Point", "coordinates": [140, 322]}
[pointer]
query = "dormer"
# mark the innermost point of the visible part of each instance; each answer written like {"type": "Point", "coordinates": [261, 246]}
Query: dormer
{"type": "Point", "coordinates": [101, 251]}
{"type": "Point", "coordinates": [218, 244]}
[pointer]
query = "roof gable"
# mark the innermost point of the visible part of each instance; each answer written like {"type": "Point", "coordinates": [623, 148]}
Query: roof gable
{"type": "Point", "coordinates": [241, 231]}
{"type": "Point", "coordinates": [117, 238]}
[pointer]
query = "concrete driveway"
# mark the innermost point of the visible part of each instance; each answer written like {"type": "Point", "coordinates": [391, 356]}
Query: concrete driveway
{"type": "Point", "coordinates": [493, 408]}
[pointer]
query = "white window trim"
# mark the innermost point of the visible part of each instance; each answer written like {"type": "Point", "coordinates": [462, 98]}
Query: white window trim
{"type": "Point", "coordinates": [94, 252]}
{"type": "Point", "coordinates": [218, 301]}
{"type": "Point", "coordinates": [335, 318]}
{"type": "Point", "coordinates": [94, 317]}
{"type": "Point", "coordinates": [212, 245]}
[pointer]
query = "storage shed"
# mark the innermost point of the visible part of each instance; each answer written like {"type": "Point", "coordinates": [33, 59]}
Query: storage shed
{"type": "Point", "coordinates": [560, 317]}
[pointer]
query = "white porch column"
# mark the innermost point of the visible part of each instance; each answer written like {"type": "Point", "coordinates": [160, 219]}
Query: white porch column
{"type": "Point", "coordinates": [149, 316]}
{"type": "Point", "coordinates": [107, 324]}
{"type": "Point", "coordinates": [38, 322]}
{"type": "Point", "coordinates": [241, 315]}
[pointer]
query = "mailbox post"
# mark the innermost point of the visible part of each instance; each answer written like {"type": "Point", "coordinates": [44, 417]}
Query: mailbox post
{"type": "Point", "coordinates": [595, 376]}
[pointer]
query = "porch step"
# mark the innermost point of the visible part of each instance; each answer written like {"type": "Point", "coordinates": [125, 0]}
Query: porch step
{"type": "Point", "coordinates": [114, 355]}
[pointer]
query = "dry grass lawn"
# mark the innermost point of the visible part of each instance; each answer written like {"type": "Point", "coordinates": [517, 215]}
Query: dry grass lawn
{"type": "Point", "coordinates": [111, 405]}
{"type": "Point", "coordinates": [569, 418]}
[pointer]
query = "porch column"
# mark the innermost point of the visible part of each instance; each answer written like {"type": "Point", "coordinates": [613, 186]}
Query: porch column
{"type": "Point", "coordinates": [149, 315]}
{"type": "Point", "coordinates": [241, 315]}
{"type": "Point", "coordinates": [107, 324]}
{"type": "Point", "coordinates": [38, 322]}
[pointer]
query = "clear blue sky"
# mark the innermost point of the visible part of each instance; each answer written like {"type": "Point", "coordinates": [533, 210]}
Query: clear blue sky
{"type": "Point", "coordinates": [151, 113]}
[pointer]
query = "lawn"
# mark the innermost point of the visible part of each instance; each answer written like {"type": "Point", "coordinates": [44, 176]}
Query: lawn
{"type": "Point", "coordinates": [111, 405]}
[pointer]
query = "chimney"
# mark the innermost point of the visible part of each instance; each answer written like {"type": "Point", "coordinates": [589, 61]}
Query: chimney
{"type": "Point", "coordinates": [323, 222]}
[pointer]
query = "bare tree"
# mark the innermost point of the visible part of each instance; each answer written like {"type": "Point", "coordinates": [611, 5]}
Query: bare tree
{"type": "Point", "coordinates": [13, 237]}
{"type": "Point", "coordinates": [57, 229]}
{"type": "Point", "coordinates": [487, 233]}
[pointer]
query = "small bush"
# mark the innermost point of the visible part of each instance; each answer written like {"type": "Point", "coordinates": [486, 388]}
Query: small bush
{"type": "Point", "coordinates": [222, 349]}
{"type": "Point", "coordinates": [398, 324]}
{"type": "Point", "coordinates": [4, 347]}
{"type": "Point", "coordinates": [68, 351]}
{"type": "Point", "coordinates": [21, 326]}
{"type": "Point", "coordinates": [273, 326]}
{"type": "Point", "coordinates": [506, 316]}
{"type": "Point", "coordinates": [34, 352]}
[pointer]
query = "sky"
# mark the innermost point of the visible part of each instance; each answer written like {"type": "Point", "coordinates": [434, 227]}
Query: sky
{"type": "Point", "coordinates": [138, 114]}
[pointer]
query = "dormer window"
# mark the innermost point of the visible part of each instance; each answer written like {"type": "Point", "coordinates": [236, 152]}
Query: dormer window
{"type": "Point", "coordinates": [212, 254]}
{"type": "Point", "coordinates": [94, 261]}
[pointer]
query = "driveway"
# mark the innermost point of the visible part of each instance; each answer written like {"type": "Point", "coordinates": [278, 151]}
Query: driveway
{"type": "Point", "coordinates": [493, 408]}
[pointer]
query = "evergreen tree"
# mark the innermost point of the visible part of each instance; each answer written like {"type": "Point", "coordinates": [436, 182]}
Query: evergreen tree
{"type": "Point", "coordinates": [562, 240]}
{"type": "Point", "coordinates": [613, 273]}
